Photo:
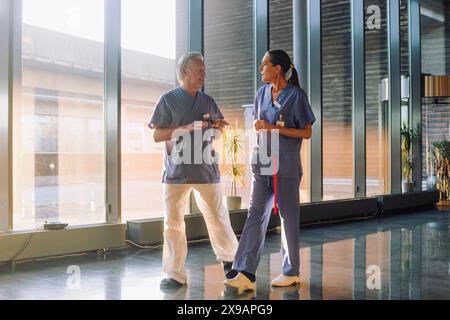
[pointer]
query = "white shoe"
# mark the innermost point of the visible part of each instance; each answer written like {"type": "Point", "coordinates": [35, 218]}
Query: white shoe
{"type": "Point", "coordinates": [240, 282]}
{"type": "Point", "coordinates": [285, 281]}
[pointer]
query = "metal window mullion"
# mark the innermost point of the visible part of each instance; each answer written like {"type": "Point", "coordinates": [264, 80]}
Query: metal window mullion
{"type": "Point", "coordinates": [300, 18]}
{"type": "Point", "coordinates": [359, 93]}
{"type": "Point", "coordinates": [261, 20]}
{"type": "Point", "coordinates": [415, 71]}
{"type": "Point", "coordinates": [196, 26]}
{"type": "Point", "coordinates": [300, 39]}
{"type": "Point", "coordinates": [16, 103]}
{"type": "Point", "coordinates": [394, 96]}
{"type": "Point", "coordinates": [6, 104]}
{"type": "Point", "coordinates": [196, 42]}
{"type": "Point", "coordinates": [112, 109]}
{"type": "Point", "coordinates": [315, 96]}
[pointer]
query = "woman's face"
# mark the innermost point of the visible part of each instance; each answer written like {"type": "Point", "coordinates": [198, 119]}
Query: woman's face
{"type": "Point", "coordinates": [269, 72]}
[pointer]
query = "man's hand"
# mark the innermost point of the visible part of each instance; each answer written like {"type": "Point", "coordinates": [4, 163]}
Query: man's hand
{"type": "Point", "coordinates": [259, 125]}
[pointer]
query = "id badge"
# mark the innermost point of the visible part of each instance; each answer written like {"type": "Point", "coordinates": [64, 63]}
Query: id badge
{"type": "Point", "coordinates": [280, 122]}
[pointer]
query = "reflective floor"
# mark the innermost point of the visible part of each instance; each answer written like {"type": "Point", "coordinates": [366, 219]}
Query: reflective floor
{"type": "Point", "coordinates": [404, 256]}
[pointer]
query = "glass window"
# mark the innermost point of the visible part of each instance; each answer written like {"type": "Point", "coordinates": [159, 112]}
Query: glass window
{"type": "Point", "coordinates": [59, 171]}
{"type": "Point", "coordinates": [434, 35]}
{"type": "Point", "coordinates": [229, 58]}
{"type": "Point", "coordinates": [153, 39]}
{"type": "Point", "coordinates": [435, 39]}
{"type": "Point", "coordinates": [281, 29]}
{"type": "Point", "coordinates": [377, 100]}
{"type": "Point", "coordinates": [405, 95]}
{"type": "Point", "coordinates": [337, 100]}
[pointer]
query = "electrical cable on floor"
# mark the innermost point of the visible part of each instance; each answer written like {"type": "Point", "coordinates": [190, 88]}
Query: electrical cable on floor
{"type": "Point", "coordinates": [12, 261]}
{"type": "Point", "coordinates": [143, 247]}
{"type": "Point", "coordinates": [23, 248]}
{"type": "Point", "coordinates": [54, 257]}
{"type": "Point", "coordinates": [341, 220]}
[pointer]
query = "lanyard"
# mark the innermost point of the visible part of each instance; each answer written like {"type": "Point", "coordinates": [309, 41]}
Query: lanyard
{"type": "Point", "coordinates": [275, 191]}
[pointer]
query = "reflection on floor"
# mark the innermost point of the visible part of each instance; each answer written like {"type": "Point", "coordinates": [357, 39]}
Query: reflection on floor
{"type": "Point", "coordinates": [396, 257]}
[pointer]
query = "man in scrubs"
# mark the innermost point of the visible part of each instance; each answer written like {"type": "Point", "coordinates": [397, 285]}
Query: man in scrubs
{"type": "Point", "coordinates": [282, 109]}
{"type": "Point", "coordinates": [186, 120]}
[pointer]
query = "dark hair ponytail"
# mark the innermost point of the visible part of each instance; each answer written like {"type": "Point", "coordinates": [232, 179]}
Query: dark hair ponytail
{"type": "Point", "coordinates": [281, 58]}
{"type": "Point", "coordinates": [295, 78]}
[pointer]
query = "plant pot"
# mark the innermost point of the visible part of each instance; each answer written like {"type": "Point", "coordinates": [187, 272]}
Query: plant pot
{"type": "Point", "coordinates": [432, 183]}
{"type": "Point", "coordinates": [407, 187]}
{"type": "Point", "coordinates": [234, 203]}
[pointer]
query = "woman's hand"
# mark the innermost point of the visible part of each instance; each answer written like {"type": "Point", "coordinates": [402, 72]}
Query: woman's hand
{"type": "Point", "coordinates": [219, 124]}
{"type": "Point", "coordinates": [196, 125]}
{"type": "Point", "coordinates": [259, 125]}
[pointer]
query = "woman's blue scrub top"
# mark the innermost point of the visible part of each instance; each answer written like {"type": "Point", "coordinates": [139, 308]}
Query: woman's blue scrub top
{"type": "Point", "coordinates": [292, 103]}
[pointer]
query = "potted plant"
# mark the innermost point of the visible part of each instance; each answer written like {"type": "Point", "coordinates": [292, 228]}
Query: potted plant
{"type": "Point", "coordinates": [233, 146]}
{"type": "Point", "coordinates": [441, 150]}
{"type": "Point", "coordinates": [408, 138]}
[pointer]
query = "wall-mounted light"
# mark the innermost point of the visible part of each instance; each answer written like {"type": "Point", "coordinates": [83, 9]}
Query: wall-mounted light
{"type": "Point", "coordinates": [436, 86]}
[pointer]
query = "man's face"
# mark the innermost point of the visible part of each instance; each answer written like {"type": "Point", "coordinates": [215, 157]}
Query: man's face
{"type": "Point", "coordinates": [195, 74]}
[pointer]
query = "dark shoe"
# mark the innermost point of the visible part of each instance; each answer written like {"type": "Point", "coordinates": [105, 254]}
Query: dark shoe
{"type": "Point", "coordinates": [228, 270]}
{"type": "Point", "coordinates": [169, 283]}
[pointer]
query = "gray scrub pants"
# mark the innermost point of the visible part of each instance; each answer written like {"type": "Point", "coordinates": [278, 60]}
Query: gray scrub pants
{"type": "Point", "coordinates": [251, 243]}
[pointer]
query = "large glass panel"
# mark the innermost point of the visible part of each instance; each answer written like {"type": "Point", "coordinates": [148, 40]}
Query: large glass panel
{"type": "Point", "coordinates": [377, 67]}
{"type": "Point", "coordinates": [153, 39]}
{"type": "Point", "coordinates": [281, 36]}
{"type": "Point", "coordinates": [337, 100]}
{"type": "Point", "coordinates": [229, 57]}
{"type": "Point", "coordinates": [406, 118]}
{"type": "Point", "coordinates": [435, 38]}
{"type": "Point", "coordinates": [59, 170]}
{"type": "Point", "coordinates": [281, 31]}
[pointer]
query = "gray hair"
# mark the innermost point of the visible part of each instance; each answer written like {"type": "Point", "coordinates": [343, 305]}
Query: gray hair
{"type": "Point", "coordinates": [184, 62]}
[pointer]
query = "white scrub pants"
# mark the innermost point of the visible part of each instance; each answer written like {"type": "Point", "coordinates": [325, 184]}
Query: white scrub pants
{"type": "Point", "coordinates": [209, 201]}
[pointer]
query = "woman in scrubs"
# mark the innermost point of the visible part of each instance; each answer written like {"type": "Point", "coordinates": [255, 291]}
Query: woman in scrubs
{"type": "Point", "coordinates": [282, 107]}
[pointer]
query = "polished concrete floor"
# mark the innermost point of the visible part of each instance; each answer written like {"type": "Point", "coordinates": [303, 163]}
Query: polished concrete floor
{"type": "Point", "coordinates": [404, 256]}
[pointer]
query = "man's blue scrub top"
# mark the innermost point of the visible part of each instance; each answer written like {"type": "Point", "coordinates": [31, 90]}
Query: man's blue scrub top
{"type": "Point", "coordinates": [178, 108]}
